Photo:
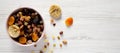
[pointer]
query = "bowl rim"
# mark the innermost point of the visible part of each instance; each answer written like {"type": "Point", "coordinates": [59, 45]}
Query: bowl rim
{"type": "Point", "coordinates": [33, 43]}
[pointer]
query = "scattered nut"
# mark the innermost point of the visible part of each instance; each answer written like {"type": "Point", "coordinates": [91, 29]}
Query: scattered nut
{"type": "Point", "coordinates": [44, 49]}
{"type": "Point", "coordinates": [69, 21]}
{"type": "Point", "coordinates": [41, 51]}
{"type": "Point", "coordinates": [64, 42]}
{"type": "Point", "coordinates": [60, 45]}
{"type": "Point", "coordinates": [48, 43]}
{"type": "Point", "coordinates": [54, 45]}
{"type": "Point", "coordinates": [53, 37]}
{"type": "Point", "coordinates": [35, 45]}
{"type": "Point", "coordinates": [52, 21]}
{"type": "Point", "coordinates": [54, 24]}
{"type": "Point", "coordinates": [61, 33]}
{"type": "Point", "coordinates": [58, 37]}
{"type": "Point", "coordinates": [45, 46]}
{"type": "Point", "coordinates": [50, 51]}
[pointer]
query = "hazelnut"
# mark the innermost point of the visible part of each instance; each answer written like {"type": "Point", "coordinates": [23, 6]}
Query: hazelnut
{"type": "Point", "coordinates": [64, 42]}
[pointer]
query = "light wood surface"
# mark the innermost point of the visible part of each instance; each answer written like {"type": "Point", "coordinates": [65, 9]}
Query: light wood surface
{"type": "Point", "coordinates": [96, 27]}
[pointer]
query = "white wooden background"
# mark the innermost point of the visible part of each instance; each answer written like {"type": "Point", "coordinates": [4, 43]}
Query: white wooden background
{"type": "Point", "coordinates": [96, 27]}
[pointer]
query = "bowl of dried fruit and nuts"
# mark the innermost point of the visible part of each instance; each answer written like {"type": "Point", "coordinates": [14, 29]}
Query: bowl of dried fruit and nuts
{"type": "Point", "coordinates": [25, 26]}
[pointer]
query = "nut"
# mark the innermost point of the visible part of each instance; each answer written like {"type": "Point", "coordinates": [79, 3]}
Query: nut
{"type": "Point", "coordinates": [29, 42]}
{"type": "Point", "coordinates": [35, 45]}
{"type": "Point", "coordinates": [27, 18]}
{"type": "Point", "coordinates": [53, 37]}
{"type": "Point", "coordinates": [41, 51]}
{"type": "Point", "coordinates": [60, 45]}
{"type": "Point", "coordinates": [54, 45]}
{"type": "Point", "coordinates": [52, 21]}
{"type": "Point", "coordinates": [64, 42]}
{"type": "Point", "coordinates": [61, 33]}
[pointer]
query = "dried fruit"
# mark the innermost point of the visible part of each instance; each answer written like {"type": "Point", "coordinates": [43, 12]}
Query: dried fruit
{"type": "Point", "coordinates": [69, 21]}
{"type": "Point", "coordinates": [22, 40]}
{"type": "Point", "coordinates": [64, 42]}
{"type": "Point", "coordinates": [14, 31]}
{"type": "Point", "coordinates": [11, 20]}
{"type": "Point", "coordinates": [55, 11]}
{"type": "Point", "coordinates": [34, 37]}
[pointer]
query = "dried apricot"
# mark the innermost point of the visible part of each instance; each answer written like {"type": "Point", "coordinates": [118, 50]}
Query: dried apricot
{"type": "Point", "coordinates": [22, 40]}
{"type": "Point", "coordinates": [34, 37]}
{"type": "Point", "coordinates": [69, 21]}
{"type": "Point", "coordinates": [11, 20]}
